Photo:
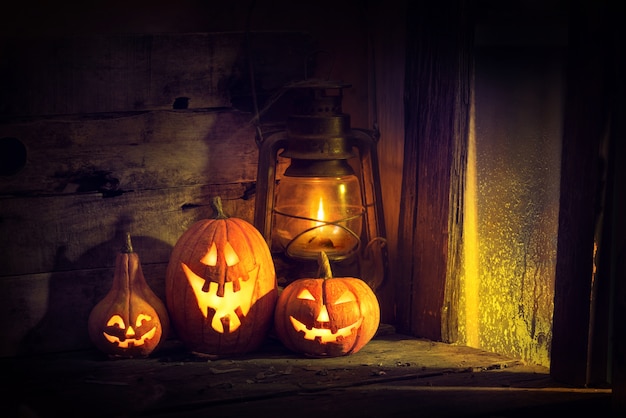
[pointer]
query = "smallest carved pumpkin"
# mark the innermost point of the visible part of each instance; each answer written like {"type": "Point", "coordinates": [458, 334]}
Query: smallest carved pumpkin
{"type": "Point", "coordinates": [130, 321]}
{"type": "Point", "coordinates": [326, 317]}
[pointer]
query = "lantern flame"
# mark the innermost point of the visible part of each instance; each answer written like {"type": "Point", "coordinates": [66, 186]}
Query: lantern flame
{"type": "Point", "coordinates": [320, 211]}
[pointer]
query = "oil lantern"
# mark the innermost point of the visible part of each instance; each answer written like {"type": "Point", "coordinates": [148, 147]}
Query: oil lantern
{"type": "Point", "coordinates": [328, 196]}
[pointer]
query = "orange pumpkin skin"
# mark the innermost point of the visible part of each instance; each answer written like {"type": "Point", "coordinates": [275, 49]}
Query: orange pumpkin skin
{"type": "Point", "coordinates": [221, 287]}
{"type": "Point", "coordinates": [329, 317]}
{"type": "Point", "coordinates": [130, 321]}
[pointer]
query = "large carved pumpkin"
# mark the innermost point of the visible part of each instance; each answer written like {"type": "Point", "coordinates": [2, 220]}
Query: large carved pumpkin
{"type": "Point", "coordinates": [326, 317]}
{"type": "Point", "coordinates": [221, 286]}
{"type": "Point", "coordinates": [130, 321]}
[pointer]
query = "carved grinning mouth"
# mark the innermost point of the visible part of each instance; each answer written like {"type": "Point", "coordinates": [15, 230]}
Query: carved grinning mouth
{"type": "Point", "coordinates": [323, 334]}
{"type": "Point", "coordinates": [230, 308]}
{"type": "Point", "coordinates": [128, 342]}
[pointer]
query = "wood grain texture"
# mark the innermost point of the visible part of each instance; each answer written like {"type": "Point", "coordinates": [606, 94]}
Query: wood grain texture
{"type": "Point", "coordinates": [388, 50]}
{"type": "Point", "coordinates": [391, 376]}
{"type": "Point", "coordinates": [585, 118]}
{"type": "Point", "coordinates": [132, 72]}
{"type": "Point", "coordinates": [618, 226]}
{"type": "Point", "coordinates": [48, 312]}
{"type": "Point", "coordinates": [59, 253]}
{"type": "Point", "coordinates": [55, 233]}
{"type": "Point", "coordinates": [432, 86]}
{"type": "Point", "coordinates": [107, 152]}
{"type": "Point", "coordinates": [129, 151]}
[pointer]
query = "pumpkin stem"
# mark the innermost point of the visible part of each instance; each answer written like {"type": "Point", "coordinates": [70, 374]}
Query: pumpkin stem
{"type": "Point", "coordinates": [216, 202]}
{"type": "Point", "coordinates": [128, 246]}
{"type": "Point", "coordinates": [324, 266]}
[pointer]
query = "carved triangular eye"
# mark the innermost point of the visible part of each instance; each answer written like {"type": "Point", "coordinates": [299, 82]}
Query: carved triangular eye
{"type": "Point", "coordinates": [305, 295]}
{"type": "Point", "coordinates": [142, 318]}
{"type": "Point", "coordinates": [117, 321]}
{"type": "Point", "coordinates": [210, 258]}
{"type": "Point", "coordinates": [230, 255]}
{"type": "Point", "coordinates": [345, 298]}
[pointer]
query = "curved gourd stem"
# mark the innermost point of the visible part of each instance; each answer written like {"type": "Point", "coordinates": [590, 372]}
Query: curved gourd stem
{"type": "Point", "coordinates": [216, 202]}
{"type": "Point", "coordinates": [128, 245]}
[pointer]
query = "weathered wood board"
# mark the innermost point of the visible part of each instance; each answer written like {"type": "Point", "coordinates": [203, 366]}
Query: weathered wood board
{"type": "Point", "coordinates": [48, 312]}
{"type": "Point", "coordinates": [59, 253]}
{"type": "Point", "coordinates": [131, 72]}
{"type": "Point", "coordinates": [107, 152]}
{"type": "Point", "coordinates": [393, 375]}
{"type": "Point", "coordinates": [85, 179]}
{"type": "Point", "coordinates": [115, 153]}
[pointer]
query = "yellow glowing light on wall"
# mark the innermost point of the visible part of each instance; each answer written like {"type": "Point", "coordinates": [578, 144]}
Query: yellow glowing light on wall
{"type": "Point", "coordinates": [470, 233]}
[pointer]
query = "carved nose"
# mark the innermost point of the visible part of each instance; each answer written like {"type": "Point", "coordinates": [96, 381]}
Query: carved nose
{"type": "Point", "coordinates": [130, 332]}
{"type": "Point", "coordinates": [323, 315]}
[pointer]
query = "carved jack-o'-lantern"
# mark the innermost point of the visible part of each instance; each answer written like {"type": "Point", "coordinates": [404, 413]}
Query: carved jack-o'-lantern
{"type": "Point", "coordinates": [221, 286]}
{"type": "Point", "coordinates": [131, 321]}
{"type": "Point", "coordinates": [326, 317]}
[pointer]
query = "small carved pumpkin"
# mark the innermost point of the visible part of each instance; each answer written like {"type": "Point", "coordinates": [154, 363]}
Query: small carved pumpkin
{"type": "Point", "coordinates": [221, 286]}
{"type": "Point", "coordinates": [326, 317]}
{"type": "Point", "coordinates": [130, 321]}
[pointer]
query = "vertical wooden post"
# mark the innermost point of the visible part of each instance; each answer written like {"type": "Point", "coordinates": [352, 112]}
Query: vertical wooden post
{"type": "Point", "coordinates": [388, 25]}
{"type": "Point", "coordinates": [432, 84]}
{"type": "Point", "coordinates": [618, 222]}
{"type": "Point", "coordinates": [618, 251]}
{"type": "Point", "coordinates": [585, 122]}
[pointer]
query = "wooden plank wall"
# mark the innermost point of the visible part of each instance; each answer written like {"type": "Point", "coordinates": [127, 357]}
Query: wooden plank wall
{"type": "Point", "coordinates": [387, 110]}
{"type": "Point", "coordinates": [107, 152]}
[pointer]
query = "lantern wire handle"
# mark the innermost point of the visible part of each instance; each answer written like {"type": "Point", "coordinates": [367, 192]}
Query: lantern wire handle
{"type": "Point", "coordinates": [324, 266]}
{"type": "Point", "coordinates": [373, 269]}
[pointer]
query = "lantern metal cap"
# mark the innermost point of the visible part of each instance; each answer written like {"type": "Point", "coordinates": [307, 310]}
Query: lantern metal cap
{"type": "Point", "coordinates": [318, 130]}
{"type": "Point", "coordinates": [319, 168]}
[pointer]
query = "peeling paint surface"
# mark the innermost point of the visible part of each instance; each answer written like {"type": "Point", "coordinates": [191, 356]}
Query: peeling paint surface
{"type": "Point", "coordinates": [512, 198]}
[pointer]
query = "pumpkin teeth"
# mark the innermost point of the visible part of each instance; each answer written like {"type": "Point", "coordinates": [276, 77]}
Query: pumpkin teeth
{"type": "Point", "coordinates": [324, 335]}
{"type": "Point", "coordinates": [220, 305]}
{"type": "Point", "coordinates": [225, 320]}
{"type": "Point", "coordinates": [220, 290]}
{"type": "Point", "coordinates": [130, 342]}
{"type": "Point", "coordinates": [321, 325]}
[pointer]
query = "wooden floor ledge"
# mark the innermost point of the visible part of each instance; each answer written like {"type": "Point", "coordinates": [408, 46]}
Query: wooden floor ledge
{"type": "Point", "coordinates": [394, 375]}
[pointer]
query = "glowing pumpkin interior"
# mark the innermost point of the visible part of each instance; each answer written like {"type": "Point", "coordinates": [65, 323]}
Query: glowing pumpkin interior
{"type": "Point", "coordinates": [125, 335]}
{"type": "Point", "coordinates": [226, 301]}
{"type": "Point", "coordinates": [316, 324]}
